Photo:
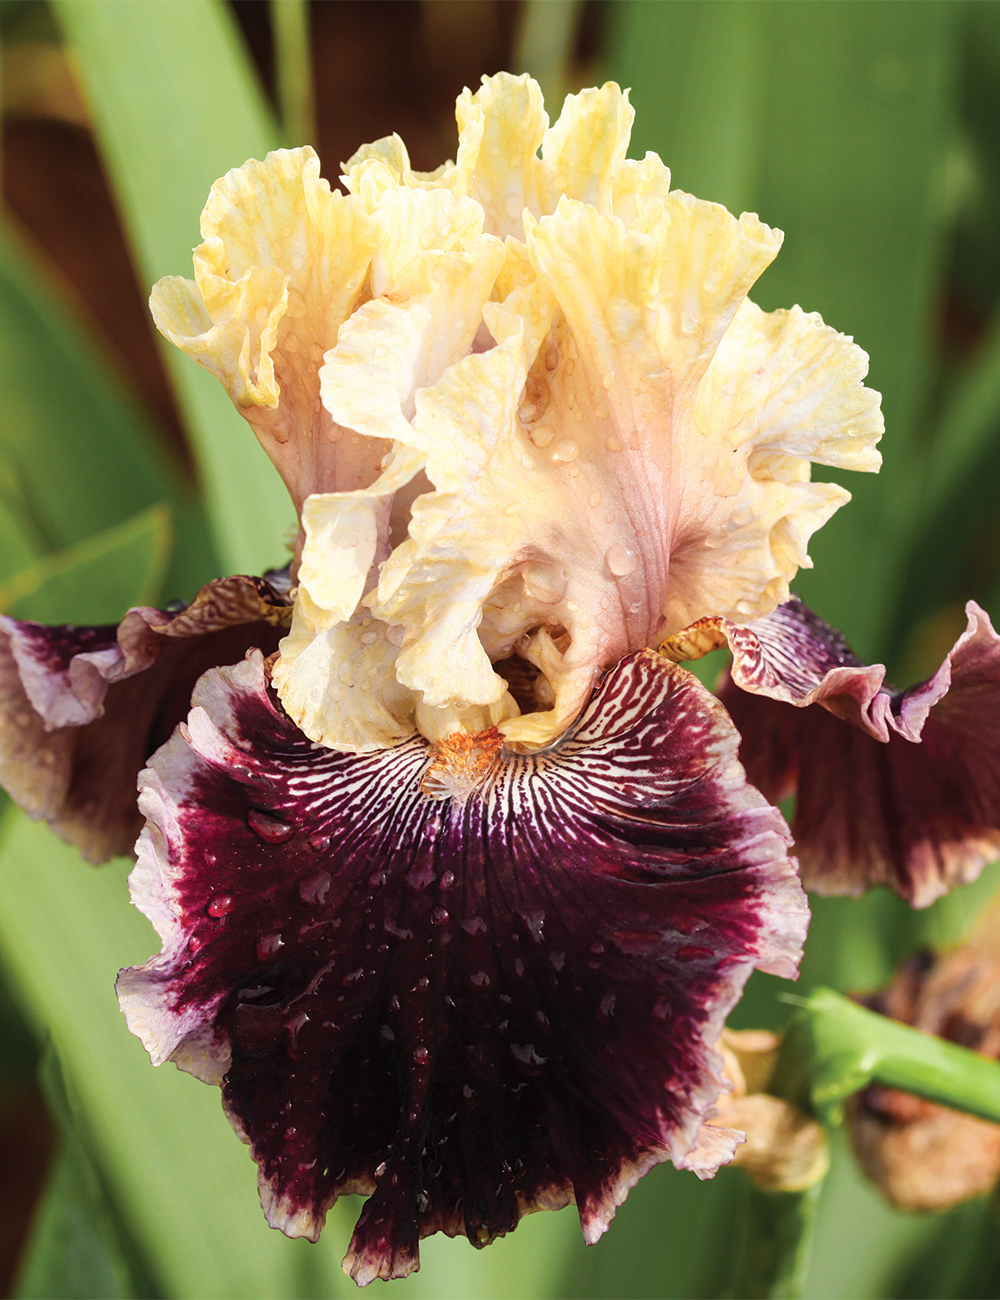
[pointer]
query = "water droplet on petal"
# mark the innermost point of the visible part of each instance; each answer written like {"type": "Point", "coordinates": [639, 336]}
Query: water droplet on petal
{"type": "Point", "coordinates": [268, 945]}
{"type": "Point", "coordinates": [439, 916]}
{"type": "Point", "coordinates": [269, 828]}
{"type": "Point", "coordinates": [607, 1008]}
{"type": "Point", "coordinates": [544, 582]}
{"type": "Point", "coordinates": [448, 880]}
{"type": "Point", "coordinates": [565, 450]}
{"type": "Point", "coordinates": [527, 1056]}
{"type": "Point", "coordinates": [663, 1009]}
{"type": "Point", "coordinates": [220, 905]}
{"type": "Point", "coordinates": [319, 842]}
{"type": "Point", "coordinates": [421, 1055]}
{"type": "Point", "coordinates": [480, 979]}
{"type": "Point", "coordinates": [314, 888]}
{"type": "Point", "coordinates": [474, 925]}
{"type": "Point", "coordinates": [621, 560]}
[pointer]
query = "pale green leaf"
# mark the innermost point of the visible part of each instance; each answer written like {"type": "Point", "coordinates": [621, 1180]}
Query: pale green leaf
{"type": "Point", "coordinates": [176, 105]}
{"type": "Point", "coordinates": [76, 453]}
{"type": "Point", "coordinates": [97, 580]}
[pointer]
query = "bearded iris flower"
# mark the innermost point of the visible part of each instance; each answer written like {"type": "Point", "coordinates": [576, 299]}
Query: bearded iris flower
{"type": "Point", "coordinates": [457, 872]}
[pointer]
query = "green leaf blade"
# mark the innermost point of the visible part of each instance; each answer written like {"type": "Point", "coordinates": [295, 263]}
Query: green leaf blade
{"type": "Point", "coordinates": [176, 105]}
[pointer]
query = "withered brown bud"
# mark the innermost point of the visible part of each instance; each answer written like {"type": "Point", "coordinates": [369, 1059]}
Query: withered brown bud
{"type": "Point", "coordinates": [785, 1150]}
{"type": "Point", "coordinates": [920, 1155]}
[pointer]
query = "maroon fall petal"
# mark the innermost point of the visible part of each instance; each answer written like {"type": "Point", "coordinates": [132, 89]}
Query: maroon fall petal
{"type": "Point", "coordinates": [909, 795]}
{"type": "Point", "coordinates": [82, 708]}
{"type": "Point", "coordinates": [467, 1008]}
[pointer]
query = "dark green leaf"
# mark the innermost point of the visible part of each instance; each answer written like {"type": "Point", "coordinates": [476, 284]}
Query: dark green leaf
{"type": "Point", "coordinates": [75, 1251]}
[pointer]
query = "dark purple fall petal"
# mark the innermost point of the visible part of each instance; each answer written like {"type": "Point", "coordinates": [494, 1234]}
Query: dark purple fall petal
{"type": "Point", "coordinates": [82, 708]}
{"type": "Point", "coordinates": [909, 795]}
{"type": "Point", "coordinates": [466, 1008]}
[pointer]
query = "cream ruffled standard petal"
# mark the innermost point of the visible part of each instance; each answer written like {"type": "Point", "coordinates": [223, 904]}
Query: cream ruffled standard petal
{"type": "Point", "coordinates": [632, 453]}
{"type": "Point", "coordinates": [529, 416]}
{"type": "Point", "coordinates": [284, 261]}
{"type": "Point", "coordinates": [391, 350]}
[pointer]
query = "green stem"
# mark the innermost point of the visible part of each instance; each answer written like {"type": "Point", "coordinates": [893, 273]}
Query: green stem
{"type": "Point", "coordinates": [293, 70]}
{"type": "Point", "coordinates": [771, 1254]}
{"type": "Point", "coordinates": [834, 1048]}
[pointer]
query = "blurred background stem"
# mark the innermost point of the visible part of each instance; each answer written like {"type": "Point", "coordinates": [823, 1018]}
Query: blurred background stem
{"type": "Point", "coordinates": [293, 71]}
{"type": "Point", "coordinates": [773, 1241]}
{"type": "Point", "coordinates": [544, 47]}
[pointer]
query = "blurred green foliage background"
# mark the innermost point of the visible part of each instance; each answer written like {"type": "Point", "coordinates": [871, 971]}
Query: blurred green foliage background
{"type": "Point", "coordinates": [868, 131]}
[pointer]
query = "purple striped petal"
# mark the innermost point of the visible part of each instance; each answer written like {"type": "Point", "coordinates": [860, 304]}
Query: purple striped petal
{"type": "Point", "coordinates": [82, 708]}
{"type": "Point", "coordinates": [471, 1007]}
{"type": "Point", "coordinates": [909, 795]}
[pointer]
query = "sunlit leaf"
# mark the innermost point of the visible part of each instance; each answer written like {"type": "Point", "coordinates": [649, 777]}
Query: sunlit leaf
{"type": "Point", "coordinates": [97, 580]}
{"type": "Point", "coordinates": [76, 454]}
{"type": "Point", "coordinates": [176, 105]}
